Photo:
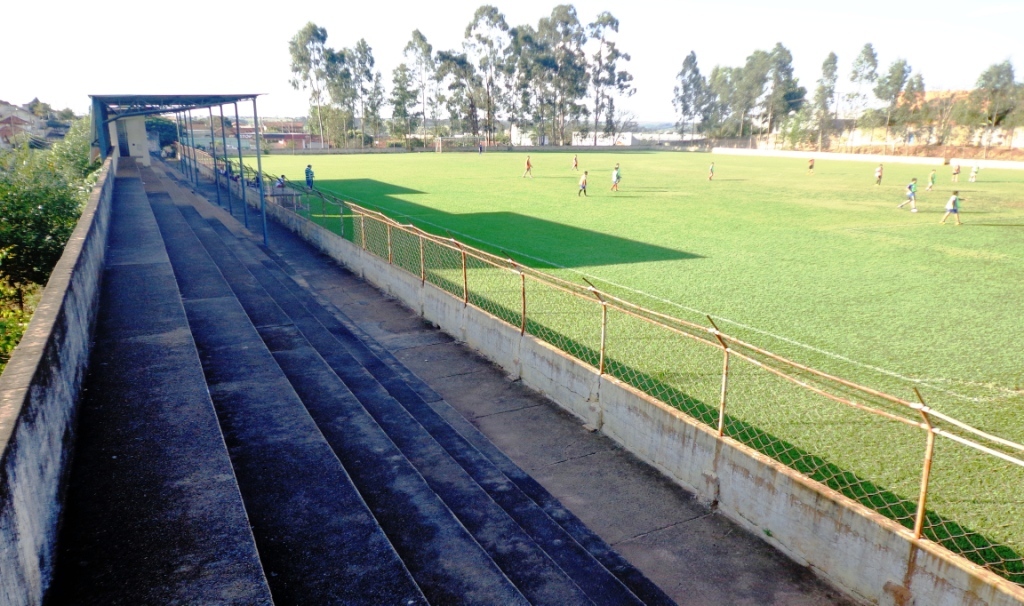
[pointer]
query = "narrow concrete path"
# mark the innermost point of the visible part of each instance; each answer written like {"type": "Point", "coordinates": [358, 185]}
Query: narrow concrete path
{"type": "Point", "coordinates": [695, 555]}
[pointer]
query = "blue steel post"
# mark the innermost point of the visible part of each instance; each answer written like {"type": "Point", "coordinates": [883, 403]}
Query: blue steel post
{"type": "Point", "coordinates": [241, 171]}
{"type": "Point", "coordinates": [99, 123]}
{"type": "Point", "coordinates": [259, 173]}
{"type": "Point", "coordinates": [192, 146]}
{"type": "Point", "coordinates": [213, 145]}
{"type": "Point", "coordinates": [179, 149]}
{"type": "Point", "coordinates": [224, 144]}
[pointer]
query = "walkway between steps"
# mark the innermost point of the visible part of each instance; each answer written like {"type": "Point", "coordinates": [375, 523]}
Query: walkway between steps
{"type": "Point", "coordinates": [695, 555]}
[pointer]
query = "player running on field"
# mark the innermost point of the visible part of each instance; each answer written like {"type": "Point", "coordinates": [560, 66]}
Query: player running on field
{"type": "Point", "coordinates": [616, 177]}
{"type": "Point", "coordinates": [711, 172]}
{"type": "Point", "coordinates": [583, 185]}
{"type": "Point", "coordinates": [576, 162]}
{"type": "Point", "coordinates": [529, 168]}
{"type": "Point", "coordinates": [878, 175]}
{"type": "Point", "coordinates": [931, 180]}
{"type": "Point", "coordinates": [911, 196]}
{"type": "Point", "coordinates": [810, 166]}
{"type": "Point", "coordinates": [952, 208]}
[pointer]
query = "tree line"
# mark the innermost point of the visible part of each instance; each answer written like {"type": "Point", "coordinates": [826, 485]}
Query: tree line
{"type": "Point", "coordinates": [559, 77]}
{"type": "Point", "coordinates": [564, 76]}
{"type": "Point", "coordinates": [762, 97]}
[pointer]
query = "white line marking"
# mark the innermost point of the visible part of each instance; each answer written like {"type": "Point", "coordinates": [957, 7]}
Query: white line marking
{"type": "Point", "coordinates": [926, 383]}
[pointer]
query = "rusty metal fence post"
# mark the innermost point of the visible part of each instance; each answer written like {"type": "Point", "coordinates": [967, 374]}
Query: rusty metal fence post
{"type": "Point", "coordinates": [362, 229]}
{"type": "Point", "coordinates": [423, 263]}
{"type": "Point", "coordinates": [926, 472]}
{"type": "Point", "coordinates": [390, 255]}
{"type": "Point", "coordinates": [604, 324]}
{"type": "Point", "coordinates": [725, 377]}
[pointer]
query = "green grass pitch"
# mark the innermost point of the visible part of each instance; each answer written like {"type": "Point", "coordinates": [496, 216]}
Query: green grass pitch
{"type": "Point", "coordinates": [822, 268]}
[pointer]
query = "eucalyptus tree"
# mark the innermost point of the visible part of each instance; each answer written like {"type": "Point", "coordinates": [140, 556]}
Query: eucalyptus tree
{"type": "Point", "coordinates": [864, 74]}
{"type": "Point", "coordinates": [523, 68]}
{"type": "Point", "coordinates": [375, 102]}
{"type": "Point", "coordinates": [889, 88]}
{"type": "Point", "coordinates": [361, 64]}
{"type": "Point", "coordinates": [722, 84]}
{"type": "Point", "coordinates": [425, 68]}
{"type": "Point", "coordinates": [605, 77]}
{"type": "Point", "coordinates": [342, 90]}
{"type": "Point", "coordinates": [750, 86]}
{"type": "Point", "coordinates": [995, 95]}
{"type": "Point", "coordinates": [563, 36]}
{"type": "Point", "coordinates": [486, 44]}
{"type": "Point", "coordinates": [825, 94]}
{"type": "Point", "coordinates": [403, 99]}
{"type": "Point", "coordinates": [460, 79]}
{"type": "Point", "coordinates": [784, 95]}
{"type": "Point", "coordinates": [308, 49]}
{"type": "Point", "coordinates": [692, 98]}
{"type": "Point", "coordinates": [911, 110]}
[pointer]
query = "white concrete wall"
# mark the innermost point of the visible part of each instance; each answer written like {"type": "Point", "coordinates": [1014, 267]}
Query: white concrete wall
{"type": "Point", "coordinates": [39, 392]}
{"type": "Point", "coordinates": [965, 163]}
{"type": "Point", "coordinates": [866, 555]}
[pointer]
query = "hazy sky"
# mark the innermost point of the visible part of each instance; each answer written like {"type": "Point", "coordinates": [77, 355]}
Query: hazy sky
{"type": "Point", "coordinates": [73, 49]}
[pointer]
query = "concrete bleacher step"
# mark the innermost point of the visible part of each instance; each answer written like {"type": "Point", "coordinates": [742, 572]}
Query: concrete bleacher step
{"type": "Point", "coordinates": [153, 514]}
{"type": "Point", "coordinates": [398, 401]}
{"type": "Point", "coordinates": [318, 543]}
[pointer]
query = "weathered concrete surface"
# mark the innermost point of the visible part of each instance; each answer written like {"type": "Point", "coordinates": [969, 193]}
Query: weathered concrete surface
{"type": "Point", "coordinates": [38, 393]}
{"type": "Point", "coordinates": [870, 557]}
{"type": "Point", "coordinates": [693, 553]}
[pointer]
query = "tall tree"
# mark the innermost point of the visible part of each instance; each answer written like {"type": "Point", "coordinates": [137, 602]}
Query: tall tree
{"type": "Point", "coordinates": [605, 77]}
{"type": "Point", "coordinates": [403, 98]}
{"type": "Point", "coordinates": [692, 98]}
{"type": "Point", "coordinates": [750, 86]}
{"type": "Point", "coordinates": [425, 67]}
{"type": "Point", "coordinates": [995, 95]}
{"type": "Point", "coordinates": [911, 110]}
{"type": "Point", "coordinates": [722, 88]}
{"type": "Point", "coordinates": [825, 94]}
{"type": "Point", "coordinates": [341, 87]}
{"type": "Point", "coordinates": [375, 102]}
{"type": "Point", "coordinates": [565, 67]}
{"type": "Point", "coordinates": [864, 74]}
{"type": "Point", "coordinates": [459, 78]}
{"type": "Point", "coordinates": [486, 46]}
{"type": "Point", "coordinates": [889, 88]}
{"type": "Point", "coordinates": [784, 95]}
{"type": "Point", "coordinates": [361, 64]}
{"type": "Point", "coordinates": [308, 50]}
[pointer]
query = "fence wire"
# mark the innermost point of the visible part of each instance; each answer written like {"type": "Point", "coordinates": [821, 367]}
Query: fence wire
{"type": "Point", "coordinates": [881, 451]}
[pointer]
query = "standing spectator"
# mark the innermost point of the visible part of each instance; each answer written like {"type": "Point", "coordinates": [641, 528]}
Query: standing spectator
{"type": "Point", "coordinates": [952, 208]}
{"type": "Point", "coordinates": [309, 176]}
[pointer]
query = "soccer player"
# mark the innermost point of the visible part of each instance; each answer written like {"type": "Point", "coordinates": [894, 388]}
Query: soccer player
{"type": "Point", "coordinates": [956, 173]}
{"type": "Point", "coordinates": [911, 196]}
{"type": "Point", "coordinates": [616, 177]}
{"type": "Point", "coordinates": [583, 185]}
{"type": "Point", "coordinates": [576, 162]}
{"type": "Point", "coordinates": [309, 176]}
{"type": "Point", "coordinates": [529, 168]}
{"type": "Point", "coordinates": [931, 180]}
{"type": "Point", "coordinates": [952, 208]}
{"type": "Point", "coordinates": [810, 166]}
{"type": "Point", "coordinates": [711, 172]}
{"type": "Point", "coordinates": [878, 175]}
{"type": "Point", "coordinates": [974, 173]}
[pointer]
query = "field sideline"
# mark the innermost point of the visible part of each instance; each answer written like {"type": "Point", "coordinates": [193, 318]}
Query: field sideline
{"type": "Point", "coordinates": [822, 268]}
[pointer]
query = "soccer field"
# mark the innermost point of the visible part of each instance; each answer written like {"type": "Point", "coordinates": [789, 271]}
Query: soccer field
{"type": "Point", "coordinates": [823, 269]}
{"type": "Point", "coordinates": [820, 268]}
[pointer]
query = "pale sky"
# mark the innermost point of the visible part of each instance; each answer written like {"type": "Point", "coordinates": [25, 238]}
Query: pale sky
{"type": "Point", "coordinates": [73, 49]}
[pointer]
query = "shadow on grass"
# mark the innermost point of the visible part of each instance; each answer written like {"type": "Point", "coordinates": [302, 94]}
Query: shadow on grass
{"type": "Point", "coordinates": [592, 248]}
{"type": "Point", "coordinates": [970, 544]}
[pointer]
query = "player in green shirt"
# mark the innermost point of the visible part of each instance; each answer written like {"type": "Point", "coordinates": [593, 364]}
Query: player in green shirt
{"type": "Point", "coordinates": [911, 196]}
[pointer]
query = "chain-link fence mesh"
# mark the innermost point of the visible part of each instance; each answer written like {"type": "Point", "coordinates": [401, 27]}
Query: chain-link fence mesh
{"type": "Point", "coordinates": [867, 445]}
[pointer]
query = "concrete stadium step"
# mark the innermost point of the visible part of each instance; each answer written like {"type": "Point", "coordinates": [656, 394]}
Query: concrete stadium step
{"type": "Point", "coordinates": [603, 575]}
{"type": "Point", "coordinates": [539, 579]}
{"type": "Point", "coordinates": [318, 543]}
{"type": "Point", "coordinates": [153, 514]}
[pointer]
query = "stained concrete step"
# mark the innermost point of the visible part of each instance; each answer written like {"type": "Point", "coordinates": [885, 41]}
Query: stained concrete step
{"type": "Point", "coordinates": [505, 544]}
{"type": "Point", "coordinates": [318, 542]}
{"type": "Point", "coordinates": [588, 571]}
{"type": "Point", "coordinates": [153, 514]}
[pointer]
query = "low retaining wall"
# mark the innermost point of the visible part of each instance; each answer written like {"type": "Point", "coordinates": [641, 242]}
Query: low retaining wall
{"type": "Point", "coordinates": [868, 556]}
{"type": "Point", "coordinates": [39, 392]}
